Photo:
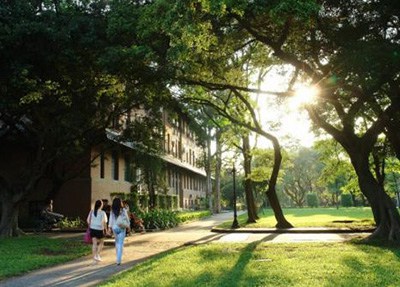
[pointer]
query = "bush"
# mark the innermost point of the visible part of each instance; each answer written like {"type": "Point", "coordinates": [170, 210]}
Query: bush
{"type": "Point", "coordinates": [346, 200]}
{"type": "Point", "coordinates": [66, 223]}
{"type": "Point", "coordinates": [188, 216]}
{"type": "Point", "coordinates": [159, 219]}
{"type": "Point", "coordinates": [312, 200]}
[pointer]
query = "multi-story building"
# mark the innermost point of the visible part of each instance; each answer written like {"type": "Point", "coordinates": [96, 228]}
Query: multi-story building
{"type": "Point", "coordinates": [115, 171]}
{"type": "Point", "coordinates": [183, 157]}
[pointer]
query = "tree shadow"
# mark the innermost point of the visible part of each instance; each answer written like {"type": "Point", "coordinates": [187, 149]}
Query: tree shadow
{"type": "Point", "coordinates": [226, 276]}
{"type": "Point", "coordinates": [370, 269]}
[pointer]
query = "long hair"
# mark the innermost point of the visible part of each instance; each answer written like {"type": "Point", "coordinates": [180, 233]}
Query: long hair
{"type": "Point", "coordinates": [116, 206]}
{"type": "Point", "coordinates": [97, 205]}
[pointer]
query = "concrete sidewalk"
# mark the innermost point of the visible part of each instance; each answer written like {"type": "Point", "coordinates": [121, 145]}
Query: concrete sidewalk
{"type": "Point", "coordinates": [139, 247]}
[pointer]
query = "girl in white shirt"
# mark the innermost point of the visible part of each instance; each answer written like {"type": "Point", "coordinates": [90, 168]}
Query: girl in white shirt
{"type": "Point", "coordinates": [117, 210]}
{"type": "Point", "coordinates": [97, 221]}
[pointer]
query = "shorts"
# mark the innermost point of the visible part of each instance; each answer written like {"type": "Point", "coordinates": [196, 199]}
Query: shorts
{"type": "Point", "coordinates": [95, 233]}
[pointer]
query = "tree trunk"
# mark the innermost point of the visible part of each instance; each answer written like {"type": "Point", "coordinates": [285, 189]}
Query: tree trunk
{"type": "Point", "coordinates": [393, 122]}
{"type": "Point", "coordinates": [208, 172]}
{"type": "Point", "coordinates": [386, 216]}
{"type": "Point", "coordinates": [9, 217]}
{"type": "Point", "coordinates": [248, 185]}
{"type": "Point", "coordinates": [218, 158]}
{"type": "Point", "coordinates": [271, 192]}
{"type": "Point", "coordinates": [150, 186]}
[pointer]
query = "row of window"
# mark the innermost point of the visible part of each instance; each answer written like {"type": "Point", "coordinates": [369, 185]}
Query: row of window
{"type": "Point", "coordinates": [174, 148]}
{"type": "Point", "coordinates": [175, 124]}
{"type": "Point", "coordinates": [188, 182]}
{"type": "Point", "coordinates": [128, 167]}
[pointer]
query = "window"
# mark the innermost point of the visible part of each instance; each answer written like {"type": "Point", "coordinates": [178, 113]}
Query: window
{"type": "Point", "coordinates": [114, 166]}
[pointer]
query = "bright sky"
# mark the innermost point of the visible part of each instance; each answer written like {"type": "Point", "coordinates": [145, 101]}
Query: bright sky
{"type": "Point", "coordinates": [294, 122]}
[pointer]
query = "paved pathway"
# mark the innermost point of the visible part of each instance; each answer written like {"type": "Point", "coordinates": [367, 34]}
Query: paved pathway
{"type": "Point", "coordinates": [140, 247]}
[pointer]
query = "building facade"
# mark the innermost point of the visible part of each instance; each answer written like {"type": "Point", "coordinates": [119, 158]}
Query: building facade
{"type": "Point", "coordinates": [184, 158]}
{"type": "Point", "coordinates": [114, 170]}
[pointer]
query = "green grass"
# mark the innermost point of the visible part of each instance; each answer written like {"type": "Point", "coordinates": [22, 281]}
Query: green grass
{"type": "Point", "coordinates": [22, 254]}
{"type": "Point", "coordinates": [268, 264]}
{"type": "Point", "coordinates": [313, 217]}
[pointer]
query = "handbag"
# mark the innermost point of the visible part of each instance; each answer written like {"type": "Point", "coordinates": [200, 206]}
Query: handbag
{"type": "Point", "coordinates": [123, 221]}
{"type": "Point", "coordinates": [87, 238]}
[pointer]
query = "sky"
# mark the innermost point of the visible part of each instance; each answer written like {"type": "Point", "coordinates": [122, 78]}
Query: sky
{"type": "Point", "coordinates": [294, 121]}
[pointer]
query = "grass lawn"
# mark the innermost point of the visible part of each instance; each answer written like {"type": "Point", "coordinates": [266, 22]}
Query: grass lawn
{"type": "Point", "coordinates": [268, 264]}
{"type": "Point", "coordinates": [361, 218]}
{"type": "Point", "coordinates": [22, 254]}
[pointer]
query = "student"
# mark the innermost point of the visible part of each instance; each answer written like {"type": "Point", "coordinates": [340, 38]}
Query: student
{"type": "Point", "coordinates": [118, 212]}
{"type": "Point", "coordinates": [97, 221]}
{"type": "Point", "coordinates": [106, 208]}
{"type": "Point", "coordinates": [48, 212]}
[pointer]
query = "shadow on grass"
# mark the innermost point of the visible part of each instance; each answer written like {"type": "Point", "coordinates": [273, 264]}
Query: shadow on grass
{"type": "Point", "coordinates": [231, 275]}
{"type": "Point", "coordinates": [377, 265]}
{"type": "Point", "coordinates": [355, 212]}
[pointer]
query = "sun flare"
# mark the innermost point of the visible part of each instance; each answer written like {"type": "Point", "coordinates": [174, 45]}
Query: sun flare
{"type": "Point", "coordinates": [304, 95]}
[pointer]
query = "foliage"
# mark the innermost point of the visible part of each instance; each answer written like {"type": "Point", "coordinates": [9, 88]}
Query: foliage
{"type": "Point", "coordinates": [300, 175]}
{"type": "Point", "coordinates": [164, 219]}
{"type": "Point", "coordinates": [185, 216]}
{"type": "Point", "coordinates": [64, 79]}
{"type": "Point", "coordinates": [341, 47]}
{"type": "Point", "coordinates": [227, 188]}
{"type": "Point", "coordinates": [159, 219]}
{"type": "Point", "coordinates": [346, 200]}
{"type": "Point", "coordinates": [67, 223]}
{"type": "Point", "coordinates": [268, 264]}
{"type": "Point", "coordinates": [23, 254]}
{"type": "Point", "coordinates": [312, 200]}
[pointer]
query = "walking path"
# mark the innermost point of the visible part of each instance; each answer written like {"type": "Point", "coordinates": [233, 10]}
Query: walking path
{"type": "Point", "coordinates": [140, 247]}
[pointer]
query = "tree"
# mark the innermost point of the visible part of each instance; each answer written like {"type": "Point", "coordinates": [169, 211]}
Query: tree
{"type": "Point", "coordinates": [262, 164]}
{"type": "Point", "coordinates": [342, 47]}
{"type": "Point", "coordinates": [337, 174]}
{"type": "Point", "coordinates": [203, 53]}
{"type": "Point", "coordinates": [301, 175]}
{"type": "Point", "coordinates": [58, 93]}
{"type": "Point", "coordinates": [47, 74]}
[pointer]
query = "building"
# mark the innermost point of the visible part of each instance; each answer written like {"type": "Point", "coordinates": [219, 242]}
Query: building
{"type": "Point", "coordinates": [113, 169]}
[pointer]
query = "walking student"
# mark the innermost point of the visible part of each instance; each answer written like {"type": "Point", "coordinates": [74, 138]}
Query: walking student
{"type": "Point", "coordinates": [97, 221]}
{"type": "Point", "coordinates": [119, 222]}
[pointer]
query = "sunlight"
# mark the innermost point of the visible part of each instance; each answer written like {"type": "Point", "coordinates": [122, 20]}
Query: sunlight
{"type": "Point", "coordinates": [285, 119]}
{"type": "Point", "coordinates": [304, 95]}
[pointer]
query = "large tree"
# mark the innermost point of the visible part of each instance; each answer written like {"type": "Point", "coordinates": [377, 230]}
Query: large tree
{"type": "Point", "coordinates": [348, 49]}
{"type": "Point", "coordinates": [53, 97]}
{"type": "Point", "coordinates": [60, 88]}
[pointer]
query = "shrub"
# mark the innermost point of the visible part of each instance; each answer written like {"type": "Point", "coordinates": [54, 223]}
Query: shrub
{"type": "Point", "coordinates": [346, 200]}
{"type": "Point", "coordinates": [159, 219]}
{"type": "Point", "coordinates": [187, 216]}
{"type": "Point", "coordinates": [71, 223]}
{"type": "Point", "coordinates": [312, 200]}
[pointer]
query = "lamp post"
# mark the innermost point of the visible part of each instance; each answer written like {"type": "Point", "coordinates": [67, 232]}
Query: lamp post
{"type": "Point", "coordinates": [235, 223]}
